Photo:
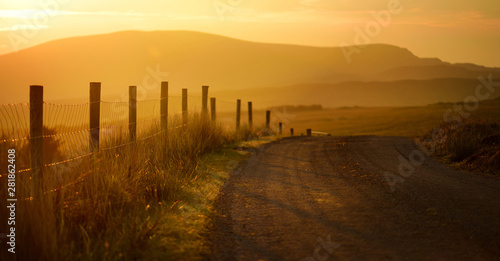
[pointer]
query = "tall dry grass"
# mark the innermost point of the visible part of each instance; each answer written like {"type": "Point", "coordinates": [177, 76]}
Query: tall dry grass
{"type": "Point", "coordinates": [112, 205]}
{"type": "Point", "coordinates": [473, 144]}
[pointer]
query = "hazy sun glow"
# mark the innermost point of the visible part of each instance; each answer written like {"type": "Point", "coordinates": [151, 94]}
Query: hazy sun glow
{"type": "Point", "coordinates": [455, 31]}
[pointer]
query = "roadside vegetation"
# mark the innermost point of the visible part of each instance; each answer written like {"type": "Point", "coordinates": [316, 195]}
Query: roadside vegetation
{"type": "Point", "coordinates": [148, 201]}
{"type": "Point", "coordinates": [472, 145]}
{"type": "Point", "coordinates": [153, 200]}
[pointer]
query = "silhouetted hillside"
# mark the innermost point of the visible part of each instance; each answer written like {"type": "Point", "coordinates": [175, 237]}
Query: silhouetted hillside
{"type": "Point", "coordinates": [192, 59]}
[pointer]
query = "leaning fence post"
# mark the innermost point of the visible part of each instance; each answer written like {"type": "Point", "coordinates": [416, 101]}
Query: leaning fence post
{"type": "Point", "coordinates": [204, 102]}
{"type": "Point", "coordinates": [268, 120]}
{"type": "Point", "coordinates": [36, 136]}
{"type": "Point", "coordinates": [238, 114]}
{"type": "Point", "coordinates": [281, 128]}
{"type": "Point", "coordinates": [250, 116]}
{"type": "Point", "coordinates": [212, 108]}
{"type": "Point", "coordinates": [95, 112]}
{"type": "Point", "coordinates": [184, 106]}
{"type": "Point", "coordinates": [132, 113]}
{"type": "Point", "coordinates": [164, 108]}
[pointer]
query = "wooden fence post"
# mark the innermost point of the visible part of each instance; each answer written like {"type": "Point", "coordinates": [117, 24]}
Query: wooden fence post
{"type": "Point", "coordinates": [309, 132]}
{"type": "Point", "coordinates": [250, 116]}
{"type": "Point", "coordinates": [268, 120]}
{"type": "Point", "coordinates": [291, 131]}
{"type": "Point", "coordinates": [238, 114]}
{"type": "Point", "coordinates": [132, 125]}
{"type": "Point", "coordinates": [204, 102]}
{"type": "Point", "coordinates": [132, 113]}
{"type": "Point", "coordinates": [281, 128]}
{"type": "Point", "coordinates": [212, 108]}
{"type": "Point", "coordinates": [164, 108]}
{"type": "Point", "coordinates": [95, 113]}
{"type": "Point", "coordinates": [184, 106]}
{"type": "Point", "coordinates": [36, 139]}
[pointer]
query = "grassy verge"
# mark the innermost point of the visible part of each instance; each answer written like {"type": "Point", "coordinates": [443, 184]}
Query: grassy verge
{"type": "Point", "coordinates": [472, 145]}
{"type": "Point", "coordinates": [190, 218]}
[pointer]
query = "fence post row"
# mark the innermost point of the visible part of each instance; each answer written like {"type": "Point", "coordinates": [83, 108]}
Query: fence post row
{"type": "Point", "coordinates": [95, 113]}
{"type": "Point", "coordinates": [212, 108]}
{"type": "Point", "coordinates": [164, 108]}
{"type": "Point", "coordinates": [184, 106]}
{"type": "Point", "coordinates": [36, 120]}
{"type": "Point", "coordinates": [238, 113]}
{"type": "Point", "coordinates": [204, 101]}
{"type": "Point", "coordinates": [36, 136]}
{"type": "Point", "coordinates": [250, 116]}
{"type": "Point", "coordinates": [132, 113]}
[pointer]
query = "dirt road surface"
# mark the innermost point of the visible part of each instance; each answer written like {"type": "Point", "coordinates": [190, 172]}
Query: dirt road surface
{"type": "Point", "coordinates": [326, 198]}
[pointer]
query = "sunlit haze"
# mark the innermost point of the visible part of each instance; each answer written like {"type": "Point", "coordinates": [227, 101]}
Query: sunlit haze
{"type": "Point", "coordinates": [454, 31]}
{"type": "Point", "coordinates": [250, 129]}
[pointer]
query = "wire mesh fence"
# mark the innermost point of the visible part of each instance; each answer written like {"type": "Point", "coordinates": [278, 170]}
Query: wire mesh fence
{"type": "Point", "coordinates": [67, 152]}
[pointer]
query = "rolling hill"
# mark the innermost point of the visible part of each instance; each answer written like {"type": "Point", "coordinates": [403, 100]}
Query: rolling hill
{"type": "Point", "coordinates": [65, 67]}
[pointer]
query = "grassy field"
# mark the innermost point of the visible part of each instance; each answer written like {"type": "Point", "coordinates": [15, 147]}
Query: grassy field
{"type": "Point", "coordinates": [396, 121]}
{"type": "Point", "coordinates": [471, 143]}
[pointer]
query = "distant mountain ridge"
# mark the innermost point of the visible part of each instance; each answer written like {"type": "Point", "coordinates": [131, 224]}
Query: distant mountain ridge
{"type": "Point", "coordinates": [191, 59]}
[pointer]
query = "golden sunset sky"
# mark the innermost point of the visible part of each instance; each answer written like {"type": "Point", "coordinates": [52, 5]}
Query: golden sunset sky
{"type": "Point", "coordinates": [452, 30]}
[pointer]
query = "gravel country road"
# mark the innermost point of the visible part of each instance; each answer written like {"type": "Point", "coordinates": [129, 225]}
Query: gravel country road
{"type": "Point", "coordinates": [326, 198]}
